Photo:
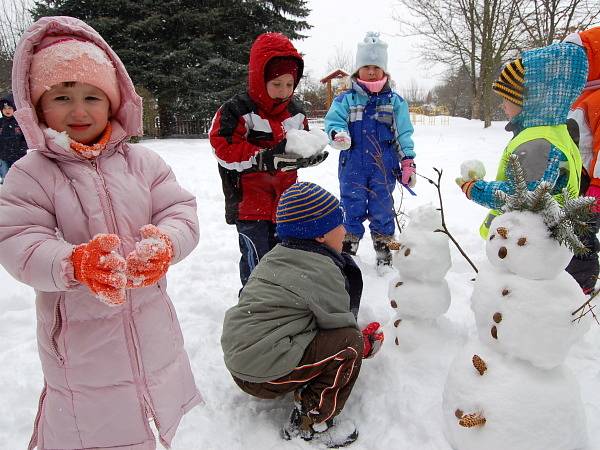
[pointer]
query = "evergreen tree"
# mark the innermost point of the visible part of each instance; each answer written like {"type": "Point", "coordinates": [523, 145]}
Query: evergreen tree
{"type": "Point", "coordinates": [191, 55]}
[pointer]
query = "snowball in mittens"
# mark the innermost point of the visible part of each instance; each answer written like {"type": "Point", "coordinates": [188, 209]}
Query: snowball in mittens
{"type": "Point", "coordinates": [472, 169]}
{"type": "Point", "coordinates": [306, 143]}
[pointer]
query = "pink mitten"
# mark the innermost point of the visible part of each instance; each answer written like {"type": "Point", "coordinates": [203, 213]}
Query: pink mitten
{"type": "Point", "coordinates": [372, 339]}
{"type": "Point", "coordinates": [151, 258]}
{"type": "Point", "coordinates": [409, 175]}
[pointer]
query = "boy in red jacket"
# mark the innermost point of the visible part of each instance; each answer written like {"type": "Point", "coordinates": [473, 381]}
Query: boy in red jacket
{"type": "Point", "coordinates": [586, 112]}
{"type": "Point", "coordinates": [248, 136]}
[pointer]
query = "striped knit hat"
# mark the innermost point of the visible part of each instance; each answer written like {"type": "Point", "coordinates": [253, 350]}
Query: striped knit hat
{"type": "Point", "coordinates": [307, 211]}
{"type": "Point", "coordinates": [510, 82]}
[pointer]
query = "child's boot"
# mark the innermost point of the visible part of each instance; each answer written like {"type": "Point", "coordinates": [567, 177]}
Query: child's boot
{"type": "Point", "coordinates": [333, 433]}
{"type": "Point", "coordinates": [382, 251]}
{"type": "Point", "coordinates": [350, 244]}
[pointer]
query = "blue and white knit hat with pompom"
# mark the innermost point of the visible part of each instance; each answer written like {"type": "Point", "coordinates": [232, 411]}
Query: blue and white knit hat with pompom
{"type": "Point", "coordinates": [306, 211]}
{"type": "Point", "coordinates": [372, 51]}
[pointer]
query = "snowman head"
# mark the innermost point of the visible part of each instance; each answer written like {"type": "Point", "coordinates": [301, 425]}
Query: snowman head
{"type": "Point", "coordinates": [538, 233]}
{"type": "Point", "coordinates": [424, 254]}
{"type": "Point", "coordinates": [519, 242]}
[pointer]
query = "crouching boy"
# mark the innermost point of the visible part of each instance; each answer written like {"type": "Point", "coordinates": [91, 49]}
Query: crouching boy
{"type": "Point", "coordinates": [294, 328]}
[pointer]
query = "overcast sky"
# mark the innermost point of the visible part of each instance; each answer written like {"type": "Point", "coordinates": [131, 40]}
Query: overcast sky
{"type": "Point", "coordinates": [343, 23]}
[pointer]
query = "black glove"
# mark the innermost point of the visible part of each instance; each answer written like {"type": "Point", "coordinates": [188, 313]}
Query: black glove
{"type": "Point", "coordinates": [312, 160]}
{"type": "Point", "coordinates": [265, 159]}
{"type": "Point", "coordinates": [272, 159]}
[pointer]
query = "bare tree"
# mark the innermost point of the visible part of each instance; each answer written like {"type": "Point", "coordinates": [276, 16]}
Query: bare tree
{"type": "Point", "coordinates": [413, 93]}
{"type": "Point", "coordinates": [14, 20]}
{"type": "Point", "coordinates": [548, 21]}
{"type": "Point", "coordinates": [341, 59]}
{"type": "Point", "coordinates": [475, 34]}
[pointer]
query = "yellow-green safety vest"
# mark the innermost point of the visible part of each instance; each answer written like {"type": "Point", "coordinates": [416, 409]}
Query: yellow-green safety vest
{"type": "Point", "coordinates": [557, 135]}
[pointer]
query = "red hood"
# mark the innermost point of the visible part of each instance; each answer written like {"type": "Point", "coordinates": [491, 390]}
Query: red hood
{"type": "Point", "coordinates": [265, 47]}
{"type": "Point", "coordinates": [591, 41]}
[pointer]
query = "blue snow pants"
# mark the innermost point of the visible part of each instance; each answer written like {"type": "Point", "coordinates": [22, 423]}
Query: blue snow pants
{"type": "Point", "coordinates": [367, 174]}
{"type": "Point", "coordinates": [3, 170]}
{"type": "Point", "coordinates": [256, 238]}
{"type": "Point", "coordinates": [365, 191]}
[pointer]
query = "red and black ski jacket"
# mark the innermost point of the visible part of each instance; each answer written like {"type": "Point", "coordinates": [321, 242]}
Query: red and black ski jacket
{"type": "Point", "coordinates": [249, 123]}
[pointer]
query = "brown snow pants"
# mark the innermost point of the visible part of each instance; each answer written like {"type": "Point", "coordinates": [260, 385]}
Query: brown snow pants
{"type": "Point", "coordinates": [324, 377]}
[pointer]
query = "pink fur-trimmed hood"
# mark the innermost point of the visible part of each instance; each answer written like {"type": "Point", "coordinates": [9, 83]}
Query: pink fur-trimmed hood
{"type": "Point", "coordinates": [128, 116]}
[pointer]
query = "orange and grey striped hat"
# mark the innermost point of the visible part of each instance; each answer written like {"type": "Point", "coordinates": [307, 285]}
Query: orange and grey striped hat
{"type": "Point", "coordinates": [510, 83]}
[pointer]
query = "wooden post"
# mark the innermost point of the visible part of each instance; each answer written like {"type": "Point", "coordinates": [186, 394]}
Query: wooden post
{"type": "Point", "coordinates": [329, 94]}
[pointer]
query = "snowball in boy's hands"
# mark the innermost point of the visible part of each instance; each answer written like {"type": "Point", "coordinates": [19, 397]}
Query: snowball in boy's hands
{"type": "Point", "coordinates": [341, 141]}
{"type": "Point", "coordinates": [305, 143]}
{"type": "Point", "coordinates": [472, 169]}
{"type": "Point", "coordinates": [151, 258]}
{"type": "Point", "coordinates": [372, 339]}
{"type": "Point", "coordinates": [98, 266]}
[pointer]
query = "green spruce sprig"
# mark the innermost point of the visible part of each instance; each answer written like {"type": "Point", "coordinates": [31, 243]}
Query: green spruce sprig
{"type": "Point", "coordinates": [565, 222]}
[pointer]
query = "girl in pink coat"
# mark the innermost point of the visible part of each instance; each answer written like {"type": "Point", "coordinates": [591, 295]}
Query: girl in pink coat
{"type": "Point", "coordinates": [93, 223]}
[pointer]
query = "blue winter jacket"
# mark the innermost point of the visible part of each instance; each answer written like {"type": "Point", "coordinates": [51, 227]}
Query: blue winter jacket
{"type": "Point", "coordinates": [391, 119]}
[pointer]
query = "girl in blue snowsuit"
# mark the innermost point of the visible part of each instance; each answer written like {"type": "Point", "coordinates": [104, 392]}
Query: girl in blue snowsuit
{"type": "Point", "coordinates": [371, 125]}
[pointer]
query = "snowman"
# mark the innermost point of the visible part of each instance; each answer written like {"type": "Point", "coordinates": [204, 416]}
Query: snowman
{"type": "Point", "coordinates": [420, 294]}
{"type": "Point", "coordinates": [510, 388]}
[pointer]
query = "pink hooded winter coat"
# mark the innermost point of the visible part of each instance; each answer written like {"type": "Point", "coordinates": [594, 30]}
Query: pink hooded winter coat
{"type": "Point", "coordinates": [107, 370]}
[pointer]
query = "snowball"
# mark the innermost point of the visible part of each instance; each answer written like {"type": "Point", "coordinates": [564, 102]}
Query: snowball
{"type": "Point", "coordinates": [61, 139]}
{"type": "Point", "coordinates": [418, 299]}
{"type": "Point", "coordinates": [532, 318]}
{"type": "Point", "coordinates": [519, 242]}
{"type": "Point", "coordinates": [472, 169]}
{"type": "Point", "coordinates": [526, 408]}
{"type": "Point", "coordinates": [306, 143]}
{"type": "Point", "coordinates": [424, 218]}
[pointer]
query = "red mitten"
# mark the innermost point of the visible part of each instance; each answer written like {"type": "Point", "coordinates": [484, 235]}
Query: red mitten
{"type": "Point", "coordinates": [151, 258]}
{"type": "Point", "coordinates": [98, 266]}
{"type": "Point", "coordinates": [372, 339]}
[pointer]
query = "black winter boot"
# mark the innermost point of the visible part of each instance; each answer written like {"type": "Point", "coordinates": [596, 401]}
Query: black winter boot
{"type": "Point", "coordinates": [350, 244]}
{"type": "Point", "coordinates": [333, 433]}
{"type": "Point", "coordinates": [382, 251]}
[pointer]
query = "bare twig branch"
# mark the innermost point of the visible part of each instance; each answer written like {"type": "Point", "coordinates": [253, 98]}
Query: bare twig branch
{"type": "Point", "coordinates": [444, 227]}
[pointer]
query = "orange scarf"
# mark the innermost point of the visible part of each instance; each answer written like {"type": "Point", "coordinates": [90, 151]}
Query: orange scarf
{"type": "Point", "coordinates": [91, 151]}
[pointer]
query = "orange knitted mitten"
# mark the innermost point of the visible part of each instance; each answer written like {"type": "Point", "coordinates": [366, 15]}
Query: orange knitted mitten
{"type": "Point", "coordinates": [151, 258]}
{"type": "Point", "coordinates": [101, 269]}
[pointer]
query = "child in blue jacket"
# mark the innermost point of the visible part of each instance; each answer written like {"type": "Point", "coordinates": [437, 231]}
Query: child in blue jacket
{"type": "Point", "coordinates": [371, 126]}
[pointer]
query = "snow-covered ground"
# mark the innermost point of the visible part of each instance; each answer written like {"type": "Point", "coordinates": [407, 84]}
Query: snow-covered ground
{"type": "Point", "coordinates": [397, 399]}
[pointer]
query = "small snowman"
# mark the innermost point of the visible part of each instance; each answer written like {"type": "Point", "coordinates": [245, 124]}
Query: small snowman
{"type": "Point", "coordinates": [420, 293]}
{"type": "Point", "coordinates": [510, 389]}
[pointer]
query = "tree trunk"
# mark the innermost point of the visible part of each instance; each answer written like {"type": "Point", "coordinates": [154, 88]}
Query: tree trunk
{"type": "Point", "coordinates": [165, 113]}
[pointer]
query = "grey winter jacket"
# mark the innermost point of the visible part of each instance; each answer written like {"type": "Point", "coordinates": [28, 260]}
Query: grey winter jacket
{"type": "Point", "coordinates": [290, 295]}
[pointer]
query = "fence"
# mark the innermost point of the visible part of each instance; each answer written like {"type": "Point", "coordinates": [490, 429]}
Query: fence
{"type": "Point", "coordinates": [431, 115]}
{"type": "Point", "coordinates": [181, 128]}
